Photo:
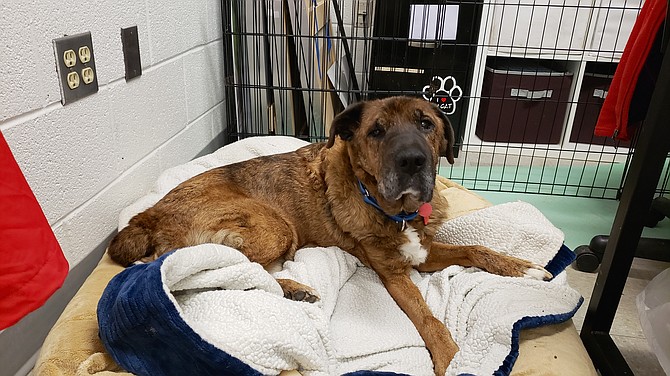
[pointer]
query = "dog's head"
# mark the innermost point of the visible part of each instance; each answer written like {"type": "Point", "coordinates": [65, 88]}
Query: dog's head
{"type": "Point", "coordinates": [395, 143]}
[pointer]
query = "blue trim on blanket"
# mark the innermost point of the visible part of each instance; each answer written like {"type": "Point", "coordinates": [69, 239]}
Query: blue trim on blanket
{"type": "Point", "coordinates": [563, 258]}
{"type": "Point", "coordinates": [530, 322]}
{"type": "Point", "coordinates": [156, 330]}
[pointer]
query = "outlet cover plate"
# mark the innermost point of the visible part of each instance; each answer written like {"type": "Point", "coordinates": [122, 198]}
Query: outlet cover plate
{"type": "Point", "coordinates": [74, 43]}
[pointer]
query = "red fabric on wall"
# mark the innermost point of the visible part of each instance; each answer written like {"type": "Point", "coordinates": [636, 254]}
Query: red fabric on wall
{"type": "Point", "coordinates": [613, 119]}
{"type": "Point", "coordinates": [32, 265]}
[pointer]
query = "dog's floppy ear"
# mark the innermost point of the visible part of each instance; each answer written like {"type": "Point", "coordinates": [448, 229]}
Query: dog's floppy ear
{"type": "Point", "coordinates": [447, 148]}
{"type": "Point", "coordinates": [345, 123]}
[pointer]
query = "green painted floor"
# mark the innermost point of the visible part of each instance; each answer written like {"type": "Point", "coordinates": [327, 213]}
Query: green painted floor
{"type": "Point", "coordinates": [579, 218]}
{"type": "Point", "coordinates": [601, 180]}
{"type": "Point", "coordinates": [575, 179]}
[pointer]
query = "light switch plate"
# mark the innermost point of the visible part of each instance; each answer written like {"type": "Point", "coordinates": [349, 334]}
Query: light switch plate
{"type": "Point", "coordinates": [131, 52]}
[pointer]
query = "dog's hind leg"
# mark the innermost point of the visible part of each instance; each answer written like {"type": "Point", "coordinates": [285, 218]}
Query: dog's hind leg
{"type": "Point", "coordinates": [262, 234]}
{"type": "Point", "coordinates": [297, 291]}
{"type": "Point", "coordinates": [254, 228]}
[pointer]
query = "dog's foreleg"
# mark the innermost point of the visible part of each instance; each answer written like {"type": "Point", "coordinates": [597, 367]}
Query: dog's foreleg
{"type": "Point", "coordinates": [436, 336]}
{"type": "Point", "coordinates": [443, 255]}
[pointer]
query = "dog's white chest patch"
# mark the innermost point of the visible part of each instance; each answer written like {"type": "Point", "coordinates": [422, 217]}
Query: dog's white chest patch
{"type": "Point", "coordinates": [413, 251]}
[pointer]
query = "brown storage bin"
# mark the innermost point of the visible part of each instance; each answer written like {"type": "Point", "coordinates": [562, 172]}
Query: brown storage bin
{"type": "Point", "coordinates": [523, 104]}
{"type": "Point", "coordinates": [591, 97]}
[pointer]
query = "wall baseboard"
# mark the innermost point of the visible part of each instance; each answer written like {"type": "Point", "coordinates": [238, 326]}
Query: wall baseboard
{"type": "Point", "coordinates": [29, 365]}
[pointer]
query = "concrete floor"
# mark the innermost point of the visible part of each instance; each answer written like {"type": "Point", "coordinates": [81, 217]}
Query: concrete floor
{"type": "Point", "coordinates": [580, 219]}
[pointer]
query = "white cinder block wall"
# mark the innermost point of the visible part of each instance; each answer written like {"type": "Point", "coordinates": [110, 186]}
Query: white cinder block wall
{"type": "Point", "coordinates": [87, 160]}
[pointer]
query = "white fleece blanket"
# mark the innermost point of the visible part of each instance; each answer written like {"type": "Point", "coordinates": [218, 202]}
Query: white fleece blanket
{"type": "Point", "coordinates": [238, 307]}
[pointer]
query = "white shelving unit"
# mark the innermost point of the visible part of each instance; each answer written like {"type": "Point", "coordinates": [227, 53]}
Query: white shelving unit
{"type": "Point", "coordinates": [574, 32]}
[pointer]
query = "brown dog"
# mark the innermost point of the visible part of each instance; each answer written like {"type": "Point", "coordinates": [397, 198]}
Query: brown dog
{"type": "Point", "coordinates": [325, 195]}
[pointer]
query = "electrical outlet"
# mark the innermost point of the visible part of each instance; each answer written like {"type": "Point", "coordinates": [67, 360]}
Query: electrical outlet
{"type": "Point", "coordinates": [87, 75]}
{"type": "Point", "coordinates": [69, 58]}
{"type": "Point", "coordinates": [73, 80]}
{"type": "Point", "coordinates": [84, 54]}
{"type": "Point", "coordinates": [75, 64]}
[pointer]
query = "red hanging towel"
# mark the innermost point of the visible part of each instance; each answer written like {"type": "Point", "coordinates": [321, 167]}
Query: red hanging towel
{"type": "Point", "coordinates": [32, 265]}
{"type": "Point", "coordinates": [613, 119]}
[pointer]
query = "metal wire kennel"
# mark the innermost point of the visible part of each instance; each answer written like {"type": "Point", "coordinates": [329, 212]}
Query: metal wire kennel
{"type": "Point", "coordinates": [522, 81]}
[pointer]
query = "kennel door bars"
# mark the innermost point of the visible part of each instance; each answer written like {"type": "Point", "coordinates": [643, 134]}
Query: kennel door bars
{"type": "Point", "coordinates": [291, 65]}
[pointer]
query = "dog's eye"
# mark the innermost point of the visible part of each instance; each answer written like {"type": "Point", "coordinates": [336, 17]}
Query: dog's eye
{"type": "Point", "coordinates": [427, 125]}
{"type": "Point", "coordinates": [376, 132]}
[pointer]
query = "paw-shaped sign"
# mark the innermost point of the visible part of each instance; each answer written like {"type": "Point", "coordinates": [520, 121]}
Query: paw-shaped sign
{"type": "Point", "coordinates": [444, 92]}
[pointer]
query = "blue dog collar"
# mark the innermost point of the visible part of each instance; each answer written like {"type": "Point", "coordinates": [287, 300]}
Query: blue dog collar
{"type": "Point", "coordinates": [401, 218]}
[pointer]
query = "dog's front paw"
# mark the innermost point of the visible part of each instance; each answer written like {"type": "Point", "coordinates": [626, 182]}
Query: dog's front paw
{"type": "Point", "coordinates": [297, 291]}
{"type": "Point", "coordinates": [509, 266]}
{"type": "Point", "coordinates": [537, 272]}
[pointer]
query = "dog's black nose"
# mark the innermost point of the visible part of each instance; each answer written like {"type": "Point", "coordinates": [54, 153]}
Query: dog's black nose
{"type": "Point", "coordinates": [410, 161]}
